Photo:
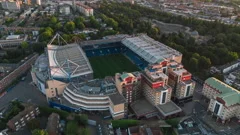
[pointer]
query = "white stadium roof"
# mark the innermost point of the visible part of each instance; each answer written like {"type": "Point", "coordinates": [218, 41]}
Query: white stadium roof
{"type": "Point", "coordinates": [68, 61]}
{"type": "Point", "coordinates": [150, 50]}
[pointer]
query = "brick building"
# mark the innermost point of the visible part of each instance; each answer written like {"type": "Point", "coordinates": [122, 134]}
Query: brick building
{"type": "Point", "coordinates": [224, 101]}
{"type": "Point", "coordinates": [21, 119]}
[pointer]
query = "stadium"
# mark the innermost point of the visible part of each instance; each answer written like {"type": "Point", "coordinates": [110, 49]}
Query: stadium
{"type": "Point", "coordinates": [79, 76]}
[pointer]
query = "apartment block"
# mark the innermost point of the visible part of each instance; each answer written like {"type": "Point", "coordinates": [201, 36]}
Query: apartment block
{"type": "Point", "coordinates": [181, 82]}
{"type": "Point", "coordinates": [20, 120]}
{"type": "Point", "coordinates": [224, 101]}
{"type": "Point", "coordinates": [84, 9]}
{"type": "Point", "coordinates": [129, 85]}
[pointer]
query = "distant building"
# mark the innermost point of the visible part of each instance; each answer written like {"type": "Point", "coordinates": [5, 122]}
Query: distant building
{"type": "Point", "coordinates": [84, 9]}
{"type": "Point", "coordinates": [53, 124]}
{"type": "Point", "coordinates": [140, 130]}
{"type": "Point", "coordinates": [65, 10]}
{"type": "Point", "coordinates": [11, 5]}
{"type": "Point", "coordinates": [233, 79]}
{"type": "Point", "coordinates": [229, 67]}
{"type": "Point", "coordinates": [224, 101]}
{"type": "Point", "coordinates": [20, 120]}
{"type": "Point", "coordinates": [12, 41]}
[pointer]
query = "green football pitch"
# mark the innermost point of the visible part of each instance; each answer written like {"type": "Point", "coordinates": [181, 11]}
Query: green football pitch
{"type": "Point", "coordinates": [110, 64]}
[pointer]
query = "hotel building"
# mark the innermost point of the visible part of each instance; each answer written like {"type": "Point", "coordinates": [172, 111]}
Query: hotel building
{"type": "Point", "coordinates": [224, 101]}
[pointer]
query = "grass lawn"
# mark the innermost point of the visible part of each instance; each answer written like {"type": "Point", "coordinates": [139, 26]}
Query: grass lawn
{"type": "Point", "coordinates": [110, 64]}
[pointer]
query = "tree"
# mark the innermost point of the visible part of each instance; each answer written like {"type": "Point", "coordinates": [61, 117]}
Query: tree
{"type": "Point", "coordinates": [33, 124]}
{"type": "Point", "coordinates": [81, 26]}
{"type": "Point", "coordinates": [93, 22]}
{"type": "Point", "coordinates": [69, 26]}
{"type": "Point", "coordinates": [24, 45]}
{"type": "Point", "coordinates": [193, 63]}
{"type": "Point", "coordinates": [82, 119]}
{"type": "Point", "coordinates": [204, 62]}
{"type": "Point", "coordinates": [72, 128]}
{"type": "Point", "coordinates": [111, 22]}
{"type": "Point", "coordinates": [53, 20]}
{"type": "Point", "coordinates": [58, 26]}
{"type": "Point", "coordinates": [84, 131]}
{"type": "Point", "coordinates": [39, 132]}
{"type": "Point", "coordinates": [79, 21]}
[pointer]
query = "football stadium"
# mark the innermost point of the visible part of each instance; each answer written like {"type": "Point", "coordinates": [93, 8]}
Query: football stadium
{"type": "Point", "coordinates": [85, 76]}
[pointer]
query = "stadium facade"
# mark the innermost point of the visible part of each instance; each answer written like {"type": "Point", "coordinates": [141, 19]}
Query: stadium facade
{"type": "Point", "coordinates": [65, 75]}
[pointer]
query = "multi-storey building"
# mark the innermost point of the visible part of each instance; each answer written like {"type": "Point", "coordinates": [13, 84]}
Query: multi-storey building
{"type": "Point", "coordinates": [129, 85]}
{"type": "Point", "coordinates": [224, 101]}
{"type": "Point", "coordinates": [84, 9]}
{"type": "Point", "coordinates": [155, 86]}
{"type": "Point", "coordinates": [20, 120]}
{"type": "Point", "coordinates": [11, 5]}
{"type": "Point", "coordinates": [180, 81]}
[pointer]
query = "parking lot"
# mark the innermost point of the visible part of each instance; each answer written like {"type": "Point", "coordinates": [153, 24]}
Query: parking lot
{"type": "Point", "coordinates": [24, 91]}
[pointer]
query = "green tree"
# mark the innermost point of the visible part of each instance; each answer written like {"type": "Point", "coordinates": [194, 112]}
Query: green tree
{"type": "Point", "coordinates": [193, 63]}
{"type": "Point", "coordinates": [58, 26]}
{"type": "Point", "coordinates": [53, 20]}
{"type": "Point", "coordinates": [69, 26]}
{"type": "Point", "coordinates": [81, 26]}
{"type": "Point", "coordinates": [39, 132]}
{"type": "Point", "coordinates": [82, 119]}
{"type": "Point", "coordinates": [79, 21]}
{"type": "Point", "coordinates": [72, 128]}
{"type": "Point", "coordinates": [111, 22]}
{"type": "Point", "coordinates": [93, 22]}
{"type": "Point", "coordinates": [204, 62]}
{"type": "Point", "coordinates": [84, 131]}
{"type": "Point", "coordinates": [33, 124]}
{"type": "Point", "coordinates": [24, 45]}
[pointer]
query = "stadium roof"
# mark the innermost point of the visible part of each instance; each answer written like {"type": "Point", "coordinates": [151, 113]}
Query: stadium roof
{"type": "Point", "coordinates": [68, 61]}
{"type": "Point", "coordinates": [149, 49]}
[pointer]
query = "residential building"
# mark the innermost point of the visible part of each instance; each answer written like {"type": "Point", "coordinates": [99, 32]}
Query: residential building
{"type": "Point", "coordinates": [233, 79]}
{"type": "Point", "coordinates": [129, 85]}
{"type": "Point", "coordinates": [84, 9]}
{"type": "Point", "coordinates": [224, 101]}
{"type": "Point", "coordinates": [53, 124]}
{"type": "Point", "coordinates": [181, 82]}
{"type": "Point", "coordinates": [229, 67]}
{"type": "Point", "coordinates": [20, 120]}
{"type": "Point", "coordinates": [13, 41]}
{"type": "Point", "coordinates": [11, 5]}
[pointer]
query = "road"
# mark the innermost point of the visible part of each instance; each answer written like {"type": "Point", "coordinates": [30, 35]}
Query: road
{"type": "Point", "coordinates": [25, 92]}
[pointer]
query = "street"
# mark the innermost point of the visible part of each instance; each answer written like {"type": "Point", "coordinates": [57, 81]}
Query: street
{"type": "Point", "coordinates": [26, 92]}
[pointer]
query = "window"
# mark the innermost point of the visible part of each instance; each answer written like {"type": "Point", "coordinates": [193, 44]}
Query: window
{"type": "Point", "coordinates": [188, 91]}
{"type": "Point", "coordinates": [216, 109]}
{"type": "Point", "coordinates": [164, 94]}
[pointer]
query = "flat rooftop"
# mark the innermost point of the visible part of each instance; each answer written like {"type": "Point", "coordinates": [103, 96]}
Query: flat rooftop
{"type": "Point", "coordinates": [117, 98]}
{"type": "Point", "coordinates": [68, 61]}
{"type": "Point", "coordinates": [168, 109]}
{"type": "Point", "coordinates": [150, 50]}
{"type": "Point", "coordinates": [143, 107]}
